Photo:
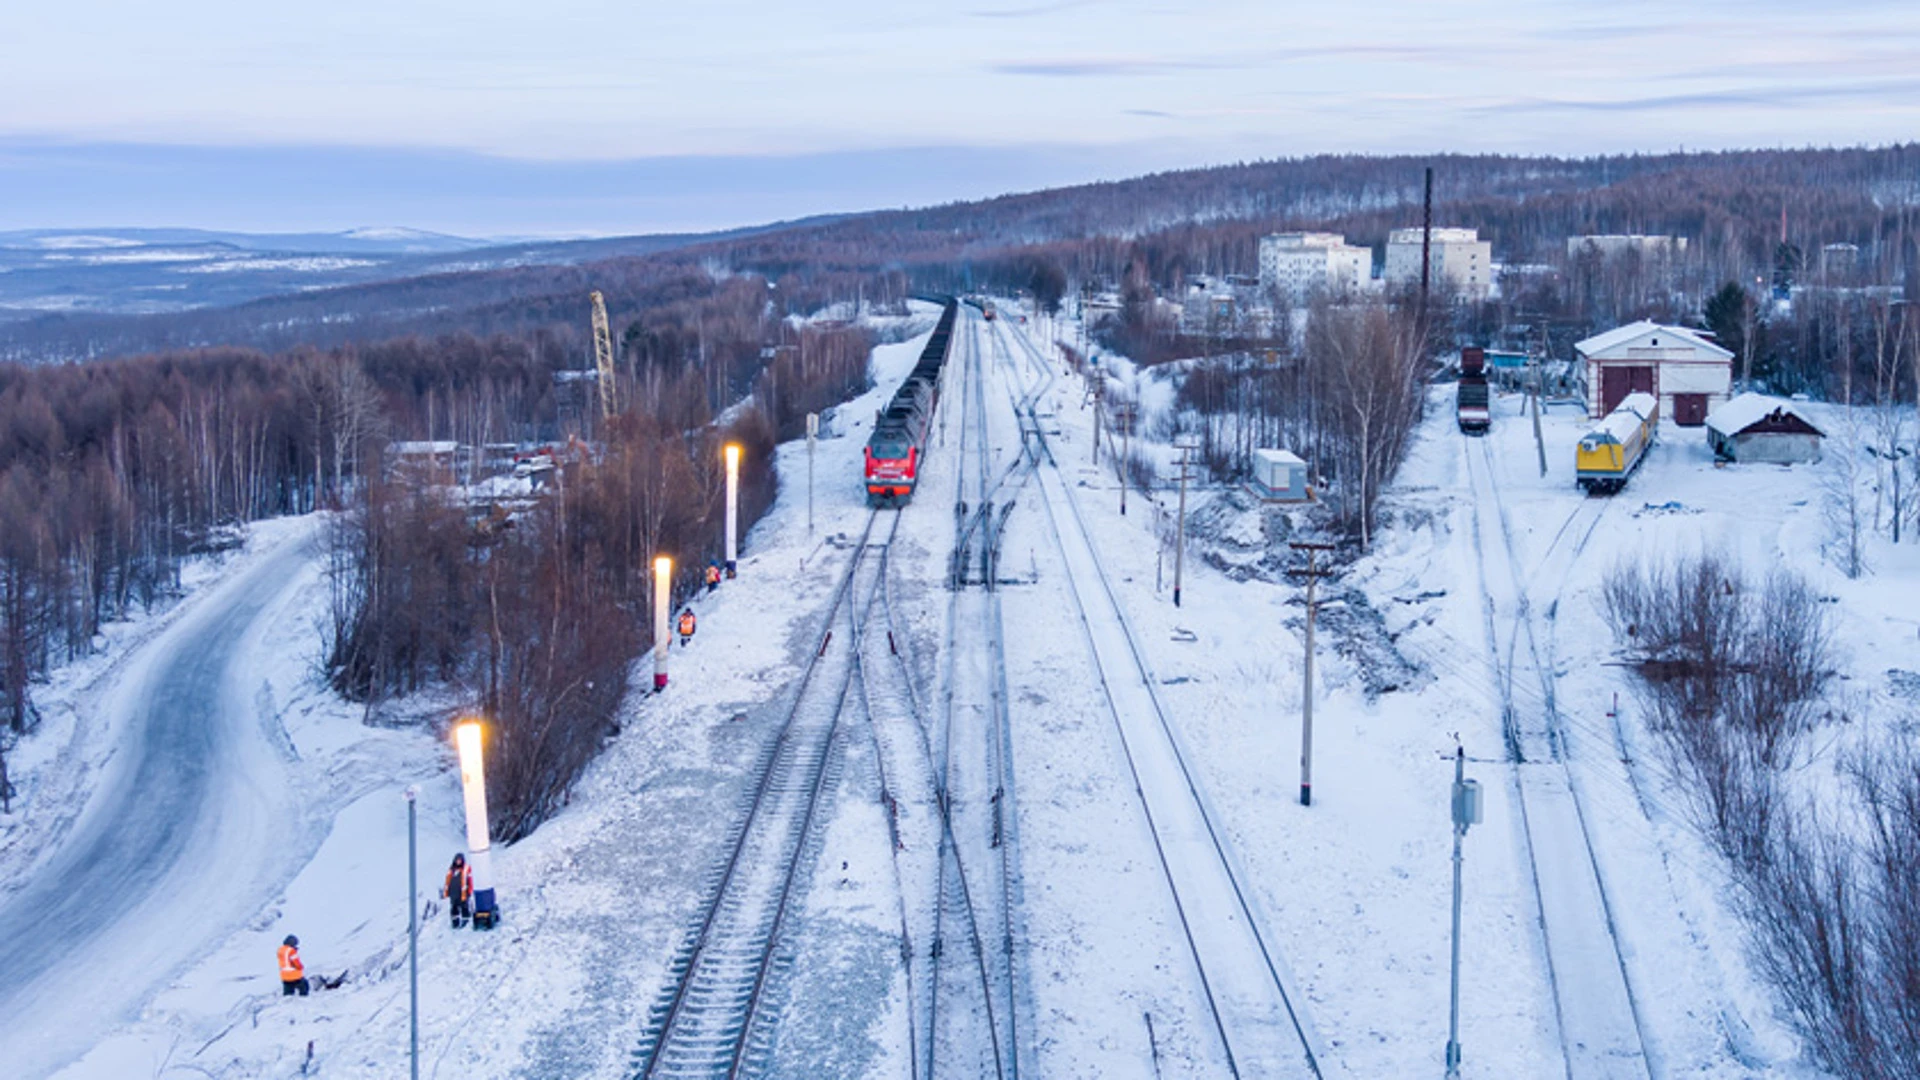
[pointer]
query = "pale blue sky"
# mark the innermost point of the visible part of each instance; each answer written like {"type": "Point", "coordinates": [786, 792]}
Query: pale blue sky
{"type": "Point", "coordinates": [595, 116]}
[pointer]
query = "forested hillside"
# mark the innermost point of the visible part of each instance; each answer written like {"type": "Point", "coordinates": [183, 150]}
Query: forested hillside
{"type": "Point", "coordinates": [1731, 206]}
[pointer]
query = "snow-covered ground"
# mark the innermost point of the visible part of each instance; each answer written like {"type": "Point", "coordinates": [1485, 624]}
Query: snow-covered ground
{"type": "Point", "coordinates": [1353, 891]}
{"type": "Point", "coordinates": [1359, 883]}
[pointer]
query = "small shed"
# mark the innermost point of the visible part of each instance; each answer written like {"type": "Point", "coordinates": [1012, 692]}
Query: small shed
{"type": "Point", "coordinates": [1280, 476]}
{"type": "Point", "coordinates": [1755, 427]}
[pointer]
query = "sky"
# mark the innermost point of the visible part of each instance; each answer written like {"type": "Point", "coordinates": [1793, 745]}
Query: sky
{"type": "Point", "coordinates": [568, 117]}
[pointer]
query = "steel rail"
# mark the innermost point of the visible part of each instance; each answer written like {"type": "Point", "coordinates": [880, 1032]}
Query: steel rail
{"type": "Point", "coordinates": [1227, 862]}
{"type": "Point", "coordinates": [670, 1013]}
{"type": "Point", "coordinates": [1556, 740]}
{"type": "Point", "coordinates": [953, 865]}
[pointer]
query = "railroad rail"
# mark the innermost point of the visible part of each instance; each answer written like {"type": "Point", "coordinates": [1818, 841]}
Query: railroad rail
{"type": "Point", "coordinates": [922, 831]}
{"type": "Point", "coordinates": [977, 873]}
{"type": "Point", "coordinates": [1602, 1036]}
{"type": "Point", "coordinates": [709, 1020]}
{"type": "Point", "coordinates": [1259, 1021]}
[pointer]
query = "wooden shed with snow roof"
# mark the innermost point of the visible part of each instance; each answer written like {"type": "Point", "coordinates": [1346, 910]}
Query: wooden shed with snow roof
{"type": "Point", "coordinates": [1755, 427]}
{"type": "Point", "coordinates": [1688, 373]}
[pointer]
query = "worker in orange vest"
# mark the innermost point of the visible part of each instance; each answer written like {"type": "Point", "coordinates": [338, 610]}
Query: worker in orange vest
{"type": "Point", "coordinates": [713, 576]}
{"type": "Point", "coordinates": [293, 973]}
{"type": "Point", "coordinates": [686, 626]}
{"type": "Point", "coordinates": [458, 890]}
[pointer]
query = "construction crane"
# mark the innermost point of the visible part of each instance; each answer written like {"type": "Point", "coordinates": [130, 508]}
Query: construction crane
{"type": "Point", "coordinates": [603, 354]}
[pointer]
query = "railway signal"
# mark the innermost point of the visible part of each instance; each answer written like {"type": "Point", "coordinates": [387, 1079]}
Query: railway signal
{"type": "Point", "coordinates": [1313, 574]}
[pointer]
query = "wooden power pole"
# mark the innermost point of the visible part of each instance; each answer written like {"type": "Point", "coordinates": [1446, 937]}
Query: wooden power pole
{"type": "Point", "coordinates": [1313, 574]}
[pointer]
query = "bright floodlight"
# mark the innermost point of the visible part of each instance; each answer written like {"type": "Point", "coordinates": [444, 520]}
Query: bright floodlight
{"type": "Point", "coordinates": [473, 785]}
{"type": "Point", "coordinates": [662, 617]}
{"type": "Point", "coordinates": [733, 507]}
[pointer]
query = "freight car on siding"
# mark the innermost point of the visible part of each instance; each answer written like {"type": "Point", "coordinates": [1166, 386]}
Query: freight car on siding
{"type": "Point", "coordinates": [1472, 401]}
{"type": "Point", "coordinates": [897, 448]}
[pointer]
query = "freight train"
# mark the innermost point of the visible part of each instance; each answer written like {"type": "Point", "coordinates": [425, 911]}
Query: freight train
{"type": "Point", "coordinates": [1473, 402]}
{"type": "Point", "coordinates": [1610, 452]}
{"type": "Point", "coordinates": [897, 448]}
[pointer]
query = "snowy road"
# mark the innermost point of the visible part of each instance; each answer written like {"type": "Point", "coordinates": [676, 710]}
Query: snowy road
{"type": "Point", "coordinates": [181, 839]}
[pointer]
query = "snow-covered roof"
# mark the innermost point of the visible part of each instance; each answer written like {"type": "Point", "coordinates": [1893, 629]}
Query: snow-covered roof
{"type": "Point", "coordinates": [1622, 335]}
{"type": "Point", "coordinates": [1749, 409]}
{"type": "Point", "coordinates": [437, 446]}
{"type": "Point", "coordinates": [1626, 417]}
{"type": "Point", "coordinates": [1279, 457]}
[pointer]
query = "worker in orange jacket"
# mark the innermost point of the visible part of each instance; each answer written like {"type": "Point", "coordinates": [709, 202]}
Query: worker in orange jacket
{"type": "Point", "coordinates": [686, 626]}
{"type": "Point", "coordinates": [458, 890]}
{"type": "Point", "coordinates": [293, 973]}
{"type": "Point", "coordinates": [713, 576]}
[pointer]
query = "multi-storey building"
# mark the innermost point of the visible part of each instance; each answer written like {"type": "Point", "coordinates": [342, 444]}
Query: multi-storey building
{"type": "Point", "coordinates": [1459, 260]}
{"type": "Point", "coordinates": [1297, 265]}
{"type": "Point", "coordinates": [1615, 245]}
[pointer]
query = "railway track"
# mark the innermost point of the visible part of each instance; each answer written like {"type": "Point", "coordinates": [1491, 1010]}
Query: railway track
{"type": "Point", "coordinates": [1601, 1033]}
{"type": "Point", "coordinates": [977, 879]}
{"type": "Point", "coordinates": [1256, 1018]}
{"type": "Point", "coordinates": [713, 1019]}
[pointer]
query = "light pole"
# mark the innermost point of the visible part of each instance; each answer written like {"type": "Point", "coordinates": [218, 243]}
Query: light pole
{"type": "Point", "coordinates": [413, 938]}
{"type": "Point", "coordinates": [473, 784]}
{"type": "Point", "coordinates": [662, 618]}
{"type": "Point", "coordinates": [813, 432]}
{"type": "Point", "coordinates": [733, 507]}
{"type": "Point", "coordinates": [1466, 812]}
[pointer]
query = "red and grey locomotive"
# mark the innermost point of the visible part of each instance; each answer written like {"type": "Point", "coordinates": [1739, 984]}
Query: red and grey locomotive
{"type": "Point", "coordinates": [898, 446]}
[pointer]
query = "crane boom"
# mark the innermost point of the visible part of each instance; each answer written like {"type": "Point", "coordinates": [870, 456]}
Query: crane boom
{"type": "Point", "coordinates": [603, 355]}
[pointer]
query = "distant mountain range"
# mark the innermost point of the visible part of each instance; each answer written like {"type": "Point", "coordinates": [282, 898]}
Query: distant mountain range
{"type": "Point", "coordinates": [148, 271]}
{"type": "Point", "coordinates": [371, 241]}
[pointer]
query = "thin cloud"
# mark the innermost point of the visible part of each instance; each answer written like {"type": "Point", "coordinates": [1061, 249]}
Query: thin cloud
{"type": "Point", "coordinates": [1114, 66]}
{"type": "Point", "coordinates": [1896, 91]}
{"type": "Point", "coordinates": [1028, 12]}
{"type": "Point", "coordinates": [1103, 68]}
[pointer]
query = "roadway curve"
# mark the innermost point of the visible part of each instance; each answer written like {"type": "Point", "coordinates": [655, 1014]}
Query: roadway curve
{"type": "Point", "coordinates": [188, 831]}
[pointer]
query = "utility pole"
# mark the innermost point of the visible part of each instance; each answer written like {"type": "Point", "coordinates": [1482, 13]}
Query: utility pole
{"type": "Point", "coordinates": [1533, 402]}
{"type": "Point", "coordinates": [1466, 812]}
{"type": "Point", "coordinates": [1125, 417]}
{"type": "Point", "coordinates": [1313, 574]}
{"type": "Point", "coordinates": [1180, 526]}
{"type": "Point", "coordinates": [1098, 387]}
{"type": "Point", "coordinates": [413, 936]}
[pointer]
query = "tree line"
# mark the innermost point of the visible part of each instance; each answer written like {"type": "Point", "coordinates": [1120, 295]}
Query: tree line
{"type": "Point", "coordinates": [535, 609]}
{"type": "Point", "coordinates": [113, 473]}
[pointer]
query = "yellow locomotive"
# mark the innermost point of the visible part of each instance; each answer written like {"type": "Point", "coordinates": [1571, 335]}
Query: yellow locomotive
{"type": "Point", "coordinates": [1608, 454]}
